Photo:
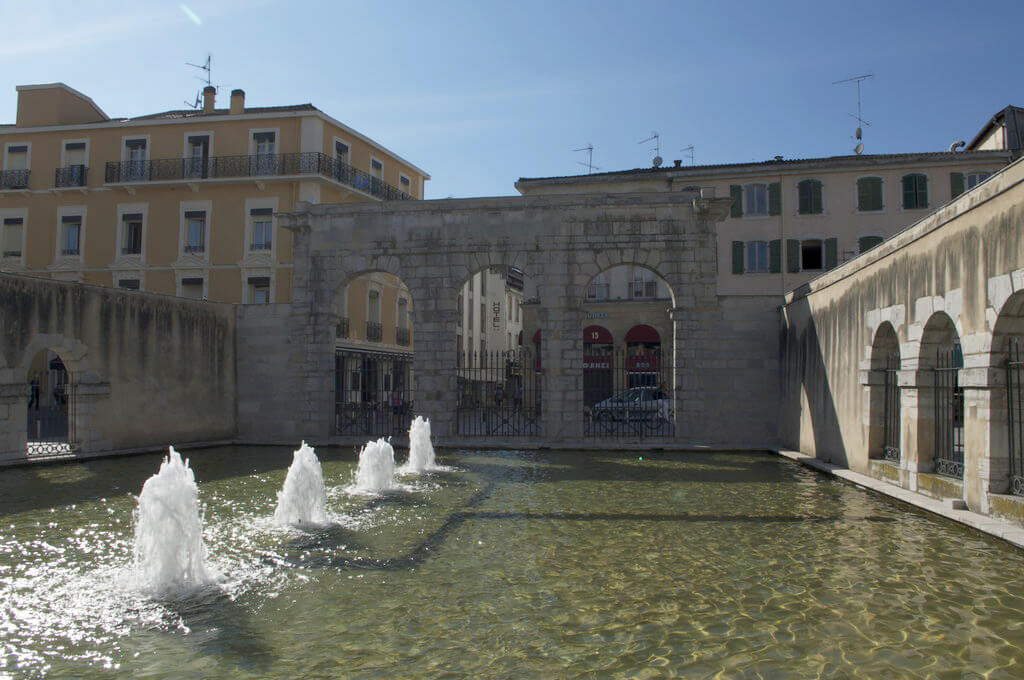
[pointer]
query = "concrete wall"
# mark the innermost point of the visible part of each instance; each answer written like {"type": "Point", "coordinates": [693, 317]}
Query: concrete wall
{"type": "Point", "coordinates": [957, 274]}
{"type": "Point", "coordinates": [148, 370]}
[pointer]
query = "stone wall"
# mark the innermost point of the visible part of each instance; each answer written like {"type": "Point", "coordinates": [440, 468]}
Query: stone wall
{"type": "Point", "coordinates": [271, 401]}
{"type": "Point", "coordinates": [147, 370]}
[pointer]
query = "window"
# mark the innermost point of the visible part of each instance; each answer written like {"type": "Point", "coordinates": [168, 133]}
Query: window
{"type": "Point", "coordinates": [459, 311]}
{"type": "Point", "coordinates": [16, 172]}
{"type": "Point", "coordinates": [757, 256]}
{"type": "Point", "coordinates": [809, 193]}
{"type": "Point", "coordinates": [376, 168]}
{"type": "Point", "coordinates": [264, 146]}
{"type": "Point", "coordinates": [195, 231]}
{"type": "Point", "coordinates": [915, 191]}
{"type": "Point", "coordinates": [192, 288]}
{"type": "Point", "coordinates": [131, 234]}
{"type": "Point", "coordinates": [644, 284]}
{"type": "Point", "coordinates": [197, 160]}
{"type": "Point", "coordinates": [72, 174]}
{"type": "Point", "coordinates": [373, 306]}
{"type": "Point", "coordinates": [14, 229]}
{"type": "Point", "coordinates": [405, 185]}
{"type": "Point", "coordinates": [135, 160]}
{"type": "Point", "coordinates": [403, 314]}
{"type": "Point", "coordinates": [259, 290]}
{"type": "Point", "coordinates": [865, 243]}
{"type": "Point", "coordinates": [128, 284]}
{"type": "Point", "coordinates": [262, 229]}
{"type": "Point", "coordinates": [598, 288]}
{"type": "Point", "coordinates": [71, 233]}
{"type": "Point", "coordinates": [811, 256]}
{"type": "Point", "coordinates": [342, 153]}
{"type": "Point", "coordinates": [869, 194]}
{"type": "Point", "coordinates": [976, 178]}
{"type": "Point", "coordinates": [755, 199]}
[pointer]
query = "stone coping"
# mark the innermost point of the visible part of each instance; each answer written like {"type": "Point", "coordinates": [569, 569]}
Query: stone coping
{"type": "Point", "coordinates": [993, 526]}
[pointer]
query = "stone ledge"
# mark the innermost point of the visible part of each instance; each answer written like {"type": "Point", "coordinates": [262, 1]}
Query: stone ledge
{"type": "Point", "coordinates": [993, 526]}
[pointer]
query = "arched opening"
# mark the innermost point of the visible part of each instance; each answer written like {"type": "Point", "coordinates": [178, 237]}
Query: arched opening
{"type": "Point", "coordinates": [884, 395]}
{"type": "Point", "coordinates": [498, 379]}
{"type": "Point", "coordinates": [942, 355]}
{"type": "Point", "coordinates": [371, 315]}
{"type": "Point", "coordinates": [1006, 408]}
{"type": "Point", "coordinates": [51, 401]}
{"type": "Point", "coordinates": [628, 376]}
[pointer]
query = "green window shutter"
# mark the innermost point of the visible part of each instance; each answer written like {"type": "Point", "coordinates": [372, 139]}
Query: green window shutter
{"type": "Point", "coordinates": [909, 193]}
{"type": "Point", "coordinates": [737, 257]}
{"type": "Point", "coordinates": [775, 256]}
{"type": "Point", "coordinates": [868, 242]}
{"type": "Point", "coordinates": [810, 197]}
{"type": "Point", "coordinates": [775, 198]}
{"type": "Point", "coordinates": [792, 255]}
{"type": "Point", "coordinates": [736, 193]}
{"type": "Point", "coordinates": [831, 253]}
{"type": "Point", "coordinates": [869, 193]}
{"type": "Point", "coordinates": [803, 190]}
{"type": "Point", "coordinates": [922, 191]}
{"type": "Point", "coordinates": [956, 184]}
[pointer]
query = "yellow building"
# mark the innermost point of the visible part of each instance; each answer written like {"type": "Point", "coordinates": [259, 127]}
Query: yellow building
{"type": "Point", "coordinates": [180, 202]}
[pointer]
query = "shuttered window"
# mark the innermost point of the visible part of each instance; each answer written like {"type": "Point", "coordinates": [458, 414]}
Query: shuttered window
{"type": "Point", "coordinates": [13, 232]}
{"type": "Point", "coordinates": [866, 243]}
{"type": "Point", "coordinates": [810, 198]}
{"type": "Point", "coordinates": [915, 191]}
{"type": "Point", "coordinates": [757, 256]}
{"type": "Point", "coordinates": [869, 194]}
{"type": "Point", "coordinates": [131, 234]}
{"type": "Point", "coordinates": [755, 199]}
{"type": "Point", "coordinates": [956, 184]}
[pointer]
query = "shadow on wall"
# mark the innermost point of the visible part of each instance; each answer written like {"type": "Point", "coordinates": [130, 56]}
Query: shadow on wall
{"type": "Point", "coordinates": [807, 394]}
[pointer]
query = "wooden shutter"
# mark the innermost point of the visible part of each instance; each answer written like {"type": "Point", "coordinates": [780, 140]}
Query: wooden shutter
{"type": "Point", "coordinates": [956, 184]}
{"type": "Point", "coordinates": [737, 257]}
{"type": "Point", "coordinates": [736, 193]}
{"type": "Point", "coordinates": [868, 242]}
{"type": "Point", "coordinates": [831, 253]}
{"type": "Point", "coordinates": [775, 256]}
{"type": "Point", "coordinates": [869, 193]}
{"type": "Point", "coordinates": [792, 255]}
{"type": "Point", "coordinates": [775, 198]}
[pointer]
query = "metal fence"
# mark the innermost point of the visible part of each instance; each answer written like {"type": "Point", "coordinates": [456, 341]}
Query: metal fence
{"type": "Point", "coordinates": [891, 429]}
{"type": "Point", "coordinates": [51, 409]}
{"type": "Point", "coordinates": [949, 414]}
{"type": "Point", "coordinates": [1015, 419]}
{"type": "Point", "coordinates": [373, 393]}
{"type": "Point", "coordinates": [627, 394]}
{"type": "Point", "coordinates": [499, 394]}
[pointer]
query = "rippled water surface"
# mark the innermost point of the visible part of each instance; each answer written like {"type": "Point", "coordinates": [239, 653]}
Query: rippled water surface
{"type": "Point", "coordinates": [509, 565]}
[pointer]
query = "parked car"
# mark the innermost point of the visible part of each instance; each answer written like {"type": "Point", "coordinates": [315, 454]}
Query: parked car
{"type": "Point", "coordinates": [636, 403]}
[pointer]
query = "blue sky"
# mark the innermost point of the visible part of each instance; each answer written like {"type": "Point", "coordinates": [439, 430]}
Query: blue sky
{"type": "Point", "coordinates": [482, 93]}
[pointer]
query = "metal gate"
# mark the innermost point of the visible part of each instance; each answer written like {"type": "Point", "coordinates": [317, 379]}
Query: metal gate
{"type": "Point", "coordinates": [949, 414]}
{"type": "Point", "coordinates": [372, 393]}
{"type": "Point", "coordinates": [1015, 419]}
{"type": "Point", "coordinates": [891, 436]}
{"type": "Point", "coordinates": [50, 426]}
{"type": "Point", "coordinates": [629, 395]}
{"type": "Point", "coordinates": [499, 394]}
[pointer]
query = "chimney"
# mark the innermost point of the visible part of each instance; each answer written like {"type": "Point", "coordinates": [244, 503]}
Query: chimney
{"type": "Point", "coordinates": [237, 102]}
{"type": "Point", "coordinates": [209, 92]}
{"type": "Point", "coordinates": [676, 163]}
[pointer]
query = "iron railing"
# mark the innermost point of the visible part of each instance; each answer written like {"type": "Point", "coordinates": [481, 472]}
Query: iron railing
{"type": "Point", "coordinates": [373, 393]}
{"type": "Point", "coordinates": [52, 397]}
{"type": "Point", "coordinates": [949, 414]}
{"type": "Point", "coordinates": [402, 336]}
{"type": "Point", "coordinates": [341, 329]}
{"type": "Point", "coordinates": [255, 165]}
{"type": "Point", "coordinates": [1015, 420]}
{"type": "Point", "coordinates": [14, 179]}
{"type": "Point", "coordinates": [71, 176]}
{"type": "Point", "coordinates": [626, 394]}
{"type": "Point", "coordinates": [891, 433]}
{"type": "Point", "coordinates": [499, 394]}
{"type": "Point", "coordinates": [374, 331]}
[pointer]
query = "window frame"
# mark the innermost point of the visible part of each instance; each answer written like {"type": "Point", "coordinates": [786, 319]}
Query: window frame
{"type": "Point", "coordinates": [408, 180]}
{"type": "Point", "coordinates": [64, 151]}
{"type": "Point", "coordinates": [927, 190]}
{"type": "Point", "coordinates": [261, 204]}
{"type": "Point", "coordinates": [881, 191]}
{"type": "Point", "coordinates": [63, 211]}
{"type": "Point", "coordinates": [821, 197]}
{"type": "Point", "coordinates": [14, 214]}
{"type": "Point", "coordinates": [183, 228]}
{"type": "Point", "coordinates": [969, 174]}
{"type": "Point", "coordinates": [821, 245]}
{"type": "Point", "coordinates": [767, 200]}
{"type": "Point", "coordinates": [127, 209]}
{"type": "Point", "coordinates": [124, 147]}
{"type": "Point", "coordinates": [248, 287]}
{"type": "Point", "coordinates": [28, 154]}
{"type": "Point", "coordinates": [747, 253]}
{"type": "Point", "coordinates": [192, 274]}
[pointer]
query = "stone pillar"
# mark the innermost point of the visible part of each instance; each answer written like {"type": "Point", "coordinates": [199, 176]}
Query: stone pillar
{"type": "Point", "coordinates": [91, 396]}
{"type": "Point", "coordinates": [682, 359]}
{"type": "Point", "coordinates": [873, 382]}
{"type": "Point", "coordinates": [435, 386]}
{"type": "Point", "coordinates": [560, 319]}
{"type": "Point", "coordinates": [13, 416]}
{"type": "Point", "coordinates": [986, 435]}
{"type": "Point", "coordinates": [917, 426]}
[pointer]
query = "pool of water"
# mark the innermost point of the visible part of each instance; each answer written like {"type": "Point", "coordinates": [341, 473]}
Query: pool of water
{"type": "Point", "coordinates": [509, 565]}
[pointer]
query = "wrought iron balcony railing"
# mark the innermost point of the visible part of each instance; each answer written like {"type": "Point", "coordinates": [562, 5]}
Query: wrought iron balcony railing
{"type": "Point", "coordinates": [402, 336]}
{"type": "Point", "coordinates": [14, 179]}
{"type": "Point", "coordinates": [341, 330]}
{"type": "Point", "coordinates": [71, 176]}
{"type": "Point", "coordinates": [257, 165]}
{"type": "Point", "coordinates": [374, 331]}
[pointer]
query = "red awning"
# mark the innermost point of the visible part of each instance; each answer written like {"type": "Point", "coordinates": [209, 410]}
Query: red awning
{"type": "Point", "coordinates": [597, 335]}
{"type": "Point", "coordinates": [536, 337]}
{"type": "Point", "coordinates": [642, 333]}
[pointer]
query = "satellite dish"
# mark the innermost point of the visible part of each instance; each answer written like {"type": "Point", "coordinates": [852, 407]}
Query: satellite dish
{"type": "Point", "coordinates": [859, 149]}
{"type": "Point", "coordinates": [657, 161]}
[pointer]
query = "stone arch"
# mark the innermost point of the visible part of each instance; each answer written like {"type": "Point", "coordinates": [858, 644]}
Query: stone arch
{"type": "Point", "coordinates": [1005, 374]}
{"type": "Point", "coordinates": [941, 411]}
{"type": "Point", "coordinates": [71, 351]}
{"type": "Point", "coordinates": [883, 436]}
{"type": "Point", "coordinates": [614, 259]}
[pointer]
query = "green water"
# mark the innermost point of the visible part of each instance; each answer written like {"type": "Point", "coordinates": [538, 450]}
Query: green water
{"type": "Point", "coordinates": [510, 565]}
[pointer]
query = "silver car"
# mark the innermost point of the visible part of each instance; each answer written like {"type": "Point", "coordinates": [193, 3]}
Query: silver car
{"type": "Point", "coordinates": [637, 403]}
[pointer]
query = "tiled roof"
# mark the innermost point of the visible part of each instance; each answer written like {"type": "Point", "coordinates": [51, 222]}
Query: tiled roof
{"type": "Point", "coordinates": [199, 113]}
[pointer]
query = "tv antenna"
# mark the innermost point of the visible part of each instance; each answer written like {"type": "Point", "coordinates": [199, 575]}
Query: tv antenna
{"type": "Point", "coordinates": [859, 149]}
{"type": "Point", "coordinates": [688, 152]}
{"type": "Point", "coordinates": [656, 138]}
{"type": "Point", "coordinates": [589, 165]}
{"type": "Point", "coordinates": [205, 68]}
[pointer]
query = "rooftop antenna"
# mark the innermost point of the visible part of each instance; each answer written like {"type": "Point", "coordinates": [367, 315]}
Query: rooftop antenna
{"type": "Point", "coordinates": [859, 149]}
{"type": "Point", "coordinates": [205, 68]}
{"type": "Point", "coordinates": [688, 152]}
{"type": "Point", "coordinates": [656, 138]}
{"type": "Point", "coordinates": [589, 165]}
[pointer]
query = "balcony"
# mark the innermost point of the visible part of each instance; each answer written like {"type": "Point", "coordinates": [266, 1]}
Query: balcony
{"type": "Point", "coordinates": [402, 336]}
{"type": "Point", "coordinates": [374, 331]}
{"type": "Point", "coordinates": [341, 330]}
{"type": "Point", "coordinates": [14, 179]}
{"type": "Point", "coordinates": [71, 176]}
{"type": "Point", "coordinates": [255, 167]}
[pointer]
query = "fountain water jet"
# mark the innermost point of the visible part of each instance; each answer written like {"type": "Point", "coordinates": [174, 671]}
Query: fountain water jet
{"type": "Point", "coordinates": [421, 451]}
{"type": "Point", "coordinates": [170, 557]}
{"type": "Point", "coordinates": [376, 470]}
{"type": "Point", "coordinates": [303, 499]}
